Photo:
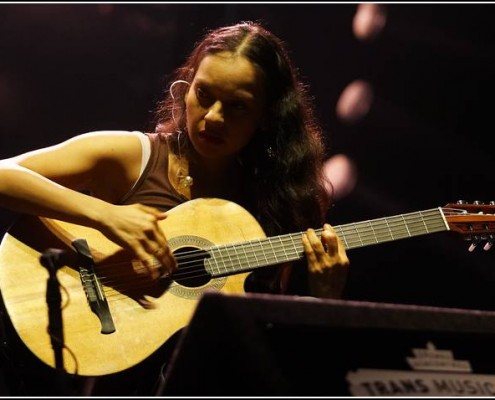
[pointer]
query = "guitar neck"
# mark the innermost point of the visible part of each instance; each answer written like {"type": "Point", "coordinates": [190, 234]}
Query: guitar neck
{"type": "Point", "coordinates": [393, 228]}
{"type": "Point", "coordinates": [245, 256]}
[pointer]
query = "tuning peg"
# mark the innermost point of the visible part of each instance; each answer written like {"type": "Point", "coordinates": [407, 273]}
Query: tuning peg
{"type": "Point", "coordinates": [479, 203]}
{"type": "Point", "coordinates": [474, 243]}
{"type": "Point", "coordinates": [488, 245]}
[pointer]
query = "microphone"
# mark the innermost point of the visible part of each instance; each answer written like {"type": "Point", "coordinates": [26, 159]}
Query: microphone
{"type": "Point", "coordinates": [52, 259]}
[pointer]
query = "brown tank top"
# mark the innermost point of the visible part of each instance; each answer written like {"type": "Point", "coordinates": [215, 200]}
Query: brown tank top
{"type": "Point", "coordinates": [153, 188]}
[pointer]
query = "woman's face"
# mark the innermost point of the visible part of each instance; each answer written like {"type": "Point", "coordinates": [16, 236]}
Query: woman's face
{"type": "Point", "coordinates": [224, 105]}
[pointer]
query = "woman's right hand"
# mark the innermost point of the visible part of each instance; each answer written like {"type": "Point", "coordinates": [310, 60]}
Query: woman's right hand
{"type": "Point", "coordinates": [136, 228]}
{"type": "Point", "coordinates": [51, 182]}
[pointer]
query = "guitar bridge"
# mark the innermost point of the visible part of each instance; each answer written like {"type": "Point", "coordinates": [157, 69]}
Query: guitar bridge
{"type": "Point", "coordinates": [92, 287]}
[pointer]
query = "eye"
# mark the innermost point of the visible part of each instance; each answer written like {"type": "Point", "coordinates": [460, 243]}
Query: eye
{"type": "Point", "coordinates": [204, 97]}
{"type": "Point", "coordinates": [238, 106]}
{"type": "Point", "coordinates": [201, 93]}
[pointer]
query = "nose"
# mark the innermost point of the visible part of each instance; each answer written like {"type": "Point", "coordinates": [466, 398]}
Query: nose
{"type": "Point", "coordinates": [215, 113]}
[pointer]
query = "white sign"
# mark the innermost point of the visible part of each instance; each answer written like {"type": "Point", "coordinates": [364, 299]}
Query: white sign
{"type": "Point", "coordinates": [435, 373]}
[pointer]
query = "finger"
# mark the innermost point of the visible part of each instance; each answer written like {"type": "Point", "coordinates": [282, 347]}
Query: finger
{"type": "Point", "coordinates": [316, 243]}
{"type": "Point", "coordinates": [167, 260]}
{"type": "Point", "coordinates": [155, 244]}
{"type": "Point", "coordinates": [147, 264]}
{"type": "Point", "coordinates": [146, 303]}
{"type": "Point", "coordinates": [339, 245]}
{"type": "Point", "coordinates": [312, 258]}
{"type": "Point", "coordinates": [329, 242]}
{"type": "Point", "coordinates": [165, 256]}
{"type": "Point", "coordinates": [160, 261]}
{"type": "Point", "coordinates": [308, 249]}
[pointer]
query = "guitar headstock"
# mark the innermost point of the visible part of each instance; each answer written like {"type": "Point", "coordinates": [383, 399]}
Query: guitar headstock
{"type": "Point", "coordinates": [474, 221]}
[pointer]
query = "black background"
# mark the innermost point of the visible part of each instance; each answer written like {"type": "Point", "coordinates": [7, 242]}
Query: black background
{"type": "Point", "coordinates": [426, 141]}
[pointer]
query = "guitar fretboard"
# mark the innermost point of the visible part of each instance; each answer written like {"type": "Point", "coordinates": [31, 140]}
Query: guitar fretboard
{"type": "Point", "coordinates": [235, 258]}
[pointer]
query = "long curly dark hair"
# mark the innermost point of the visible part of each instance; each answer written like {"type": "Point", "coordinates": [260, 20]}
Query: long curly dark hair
{"type": "Point", "coordinates": [284, 162]}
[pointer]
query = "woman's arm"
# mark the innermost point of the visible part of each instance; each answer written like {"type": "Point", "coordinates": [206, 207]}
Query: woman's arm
{"type": "Point", "coordinates": [53, 182]}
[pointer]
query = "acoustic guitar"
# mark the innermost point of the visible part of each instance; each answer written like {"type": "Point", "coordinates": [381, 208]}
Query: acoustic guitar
{"type": "Point", "coordinates": [107, 327]}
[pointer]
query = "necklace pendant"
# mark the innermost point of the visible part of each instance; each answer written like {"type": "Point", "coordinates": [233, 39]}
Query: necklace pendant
{"type": "Point", "coordinates": [185, 181]}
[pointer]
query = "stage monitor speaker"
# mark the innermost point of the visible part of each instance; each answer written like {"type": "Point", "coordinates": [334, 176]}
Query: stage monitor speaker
{"type": "Point", "coordinates": [266, 345]}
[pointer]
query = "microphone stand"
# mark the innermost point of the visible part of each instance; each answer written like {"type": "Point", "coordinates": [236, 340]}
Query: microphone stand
{"type": "Point", "coordinates": [51, 259]}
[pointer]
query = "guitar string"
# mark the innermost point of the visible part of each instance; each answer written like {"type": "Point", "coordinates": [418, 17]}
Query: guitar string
{"type": "Point", "coordinates": [235, 256]}
{"type": "Point", "coordinates": [281, 246]}
{"type": "Point", "coordinates": [254, 246]}
{"type": "Point", "coordinates": [186, 270]}
{"type": "Point", "coordinates": [365, 231]}
{"type": "Point", "coordinates": [371, 228]}
{"type": "Point", "coordinates": [197, 271]}
{"type": "Point", "coordinates": [389, 224]}
{"type": "Point", "coordinates": [368, 231]}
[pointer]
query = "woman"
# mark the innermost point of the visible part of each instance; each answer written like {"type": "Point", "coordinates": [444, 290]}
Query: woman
{"type": "Point", "coordinates": [236, 124]}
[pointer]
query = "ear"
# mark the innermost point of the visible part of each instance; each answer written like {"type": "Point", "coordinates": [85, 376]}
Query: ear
{"type": "Point", "coordinates": [186, 93]}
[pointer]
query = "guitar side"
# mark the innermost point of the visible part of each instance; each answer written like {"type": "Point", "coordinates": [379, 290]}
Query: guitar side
{"type": "Point", "coordinates": [139, 331]}
{"type": "Point", "coordinates": [235, 243]}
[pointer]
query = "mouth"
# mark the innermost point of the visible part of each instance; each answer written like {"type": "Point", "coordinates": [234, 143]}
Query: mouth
{"type": "Point", "coordinates": [211, 137]}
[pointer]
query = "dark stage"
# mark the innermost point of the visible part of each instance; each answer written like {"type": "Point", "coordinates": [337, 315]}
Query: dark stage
{"type": "Point", "coordinates": [424, 140]}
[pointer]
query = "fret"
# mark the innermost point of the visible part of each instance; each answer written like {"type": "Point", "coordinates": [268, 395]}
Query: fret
{"type": "Point", "coordinates": [388, 226]}
{"type": "Point", "coordinates": [425, 225]}
{"type": "Point", "coordinates": [373, 230]}
{"type": "Point", "coordinates": [264, 253]}
{"type": "Point", "coordinates": [357, 233]}
{"type": "Point", "coordinates": [245, 254]}
{"type": "Point", "coordinates": [283, 247]}
{"type": "Point", "coordinates": [212, 262]}
{"type": "Point", "coordinates": [342, 235]}
{"type": "Point", "coordinates": [256, 261]}
{"type": "Point", "coordinates": [297, 247]}
{"type": "Point", "coordinates": [273, 250]}
{"type": "Point", "coordinates": [392, 228]}
{"type": "Point", "coordinates": [230, 263]}
{"type": "Point", "coordinates": [270, 251]}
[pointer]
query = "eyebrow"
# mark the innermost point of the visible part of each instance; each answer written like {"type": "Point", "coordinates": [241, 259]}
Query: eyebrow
{"type": "Point", "coordinates": [247, 93]}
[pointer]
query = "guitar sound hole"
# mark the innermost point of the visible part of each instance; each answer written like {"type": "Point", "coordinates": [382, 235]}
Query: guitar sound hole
{"type": "Point", "coordinates": [192, 271]}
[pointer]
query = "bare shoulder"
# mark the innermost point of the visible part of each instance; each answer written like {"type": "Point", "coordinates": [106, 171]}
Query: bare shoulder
{"type": "Point", "coordinates": [90, 146]}
{"type": "Point", "coordinates": [95, 161]}
{"type": "Point", "coordinates": [108, 143]}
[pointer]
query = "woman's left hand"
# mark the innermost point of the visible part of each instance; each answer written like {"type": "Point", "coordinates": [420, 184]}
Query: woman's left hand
{"type": "Point", "coordinates": [327, 262]}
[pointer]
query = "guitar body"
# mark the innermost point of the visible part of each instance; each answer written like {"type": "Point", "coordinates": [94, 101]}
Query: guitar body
{"type": "Point", "coordinates": [216, 243]}
{"type": "Point", "coordinates": [139, 330]}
